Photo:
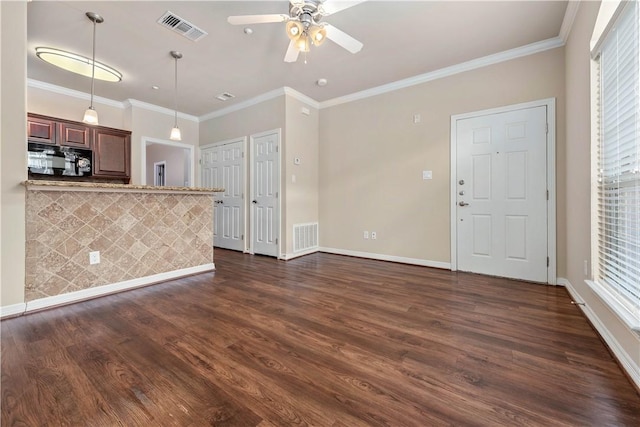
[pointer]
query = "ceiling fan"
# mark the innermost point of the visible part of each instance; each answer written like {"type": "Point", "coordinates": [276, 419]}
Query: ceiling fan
{"type": "Point", "coordinates": [304, 26]}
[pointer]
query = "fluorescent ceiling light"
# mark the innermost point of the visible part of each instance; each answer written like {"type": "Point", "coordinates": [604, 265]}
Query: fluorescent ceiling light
{"type": "Point", "coordinates": [77, 64]}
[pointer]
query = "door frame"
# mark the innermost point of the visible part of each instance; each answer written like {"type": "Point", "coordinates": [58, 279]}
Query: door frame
{"type": "Point", "coordinates": [147, 140]}
{"type": "Point", "coordinates": [550, 103]}
{"type": "Point", "coordinates": [243, 140]}
{"type": "Point", "coordinates": [155, 173]}
{"type": "Point", "coordinates": [252, 137]}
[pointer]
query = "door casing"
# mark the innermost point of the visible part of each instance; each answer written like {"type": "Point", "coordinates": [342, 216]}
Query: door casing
{"type": "Point", "coordinates": [550, 103]}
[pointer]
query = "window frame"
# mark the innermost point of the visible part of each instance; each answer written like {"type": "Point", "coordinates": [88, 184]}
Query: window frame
{"type": "Point", "coordinates": [626, 309]}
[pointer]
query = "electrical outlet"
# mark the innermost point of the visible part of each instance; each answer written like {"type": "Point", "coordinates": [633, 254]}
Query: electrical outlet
{"type": "Point", "coordinates": [94, 257]}
{"type": "Point", "coordinates": [365, 235]}
{"type": "Point", "coordinates": [374, 236]}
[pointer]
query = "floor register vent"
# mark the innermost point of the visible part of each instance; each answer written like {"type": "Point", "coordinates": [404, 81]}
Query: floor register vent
{"type": "Point", "coordinates": [305, 236]}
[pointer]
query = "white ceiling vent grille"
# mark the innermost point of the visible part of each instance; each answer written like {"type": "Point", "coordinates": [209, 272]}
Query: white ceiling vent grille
{"type": "Point", "coordinates": [181, 26]}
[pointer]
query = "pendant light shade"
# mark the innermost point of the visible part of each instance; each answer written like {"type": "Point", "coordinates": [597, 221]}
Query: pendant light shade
{"type": "Point", "coordinates": [175, 132]}
{"type": "Point", "coordinates": [91, 115]}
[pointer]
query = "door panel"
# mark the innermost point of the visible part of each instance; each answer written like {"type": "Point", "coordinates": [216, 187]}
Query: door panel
{"type": "Point", "coordinates": [501, 226]}
{"type": "Point", "coordinates": [265, 194]}
{"type": "Point", "coordinates": [223, 166]}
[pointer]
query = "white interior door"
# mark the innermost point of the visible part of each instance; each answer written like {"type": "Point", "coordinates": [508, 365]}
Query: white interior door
{"type": "Point", "coordinates": [501, 194]}
{"type": "Point", "coordinates": [265, 187]}
{"type": "Point", "coordinates": [223, 166]}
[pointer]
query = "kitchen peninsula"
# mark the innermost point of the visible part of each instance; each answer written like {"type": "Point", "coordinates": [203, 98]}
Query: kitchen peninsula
{"type": "Point", "coordinates": [143, 234]}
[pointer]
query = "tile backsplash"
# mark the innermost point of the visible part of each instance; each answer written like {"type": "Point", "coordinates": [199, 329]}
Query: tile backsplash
{"type": "Point", "coordinates": [137, 234]}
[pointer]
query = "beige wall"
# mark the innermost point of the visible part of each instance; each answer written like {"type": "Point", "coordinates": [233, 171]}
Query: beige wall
{"type": "Point", "coordinates": [175, 163]}
{"type": "Point", "coordinates": [261, 117]}
{"type": "Point", "coordinates": [302, 136]}
{"type": "Point", "coordinates": [146, 123]}
{"type": "Point", "coordinates": [577, 168]}
{"type": "Point", "coordinates": [13, 150]}
{"type": "Point", "coordinates": [372, 156]}
{"type": "Point", "coordinates": [67, 107]}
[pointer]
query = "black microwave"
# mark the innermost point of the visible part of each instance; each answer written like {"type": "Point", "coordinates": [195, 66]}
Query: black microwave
{"type": "Point", "coordinates": [55, 160]}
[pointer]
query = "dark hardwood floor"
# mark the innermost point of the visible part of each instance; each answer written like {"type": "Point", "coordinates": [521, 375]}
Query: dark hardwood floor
{"type": "Point", "coordinates": [320, 340]}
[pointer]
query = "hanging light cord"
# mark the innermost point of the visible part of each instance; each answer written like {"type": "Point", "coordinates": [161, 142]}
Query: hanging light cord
{"type": "Point", "coordinates": [176, 93]}
{"type": "Point", "coordinates": [93, 61]}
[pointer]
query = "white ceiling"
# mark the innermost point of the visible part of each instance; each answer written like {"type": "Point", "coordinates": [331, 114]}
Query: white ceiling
{"type": "Point", "coordinates": [401, 39]}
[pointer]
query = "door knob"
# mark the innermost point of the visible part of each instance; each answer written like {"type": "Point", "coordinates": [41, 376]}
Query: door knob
{"type": "Point", "coordinates": [255, 202]}
{"type": "Point", "coordinates": [463, 204]}
{"type": "Point", "coordinates": [461, 182]}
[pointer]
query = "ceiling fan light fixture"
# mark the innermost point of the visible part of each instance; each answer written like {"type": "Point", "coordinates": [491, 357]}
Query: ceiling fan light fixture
{"type": "Point", "coordinates": [318, 35]}
{"type": "Point", "coordinates": [294, 30]}
{"type": "Point", "coordinates": [302, 44]}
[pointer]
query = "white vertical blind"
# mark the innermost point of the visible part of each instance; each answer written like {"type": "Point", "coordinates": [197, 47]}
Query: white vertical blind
{"type": "Point", "coordinates": [619, 158]}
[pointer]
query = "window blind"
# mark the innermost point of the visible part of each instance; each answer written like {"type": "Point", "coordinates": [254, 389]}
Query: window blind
{"type": "Point", "coordinates": [619, 158]}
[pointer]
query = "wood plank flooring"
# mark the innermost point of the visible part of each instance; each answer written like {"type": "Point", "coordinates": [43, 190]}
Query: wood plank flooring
{"type": "Point", "coordinates": [321, 340]}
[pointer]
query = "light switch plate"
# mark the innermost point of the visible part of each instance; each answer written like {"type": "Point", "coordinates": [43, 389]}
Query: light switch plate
{"type": "Point", "coordinates": [427, 175]}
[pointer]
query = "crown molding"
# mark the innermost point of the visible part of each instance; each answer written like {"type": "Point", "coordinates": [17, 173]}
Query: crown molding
{"type": "Point", "coordinates": [244, 104]}
{"type": "Point", "coordinates": [569, 17]}
{"type": "Point", "coordinates": [485, 61]}
{"type": "Point", "coordinates": [106, 101]}
{"type": "Point", "coordinates": [301, 97]}
{"type": "Point", "coordinates": [73, 93]}
{"type": "Point", "coordinates": [156, 108]}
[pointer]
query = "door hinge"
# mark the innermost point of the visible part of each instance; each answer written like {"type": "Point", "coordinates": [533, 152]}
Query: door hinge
{"type": "Point", "coordinates": [546, 130]}
{"type": "Point", "coordinates": [242, 154]}
{"type": "Point", "coordinates": [547, 194]}
{"type": "Point", "coordinates": [276, 194]}
{"type": "Point", "coordinates": [242, 237]}
{"type": "Point", "coordinates": [547, 261]}
{"type": "Point", "coordinates": [276, 240]}
{"type": "Point", "coordinates": [276, 148]}
{"type": "Point", "coordinates": [200, 161]}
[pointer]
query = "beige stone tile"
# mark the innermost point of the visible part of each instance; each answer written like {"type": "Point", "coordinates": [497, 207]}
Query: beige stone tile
{"type": "Point", "coordinates": [69, 247]}
{"type": "Point", "coordinates": [85, 235]}
{"type": "Point", "coordinates": [70, 224]}
{"type": "Point", "coordinates": [100, 223]}
{"type": "Point", "coordinates": [126, 221]}
{"type": "Point", "coordinates": [85, 212]}
{"type": "Point", "coordinates": [70, 271]}
{"type": "Point", "coordinates": [52, 213]}
{"type": "Point", "coordinates": [113, 212]}
{"type": "Point", "coordinates": [54, 286]}
{"type": "Point", "coordinates": [52, 262]}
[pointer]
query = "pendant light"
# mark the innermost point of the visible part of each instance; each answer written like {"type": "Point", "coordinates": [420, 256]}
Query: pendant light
{"type": "Point", "coordinates": [175, 132]}
{"type": "Point", "coordinates": [91, 116]}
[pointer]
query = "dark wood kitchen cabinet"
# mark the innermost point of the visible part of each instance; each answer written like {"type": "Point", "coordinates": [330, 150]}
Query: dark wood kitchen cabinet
{"type": "Point", "coordinates": [74, 135]}
{"type": "Point", "coordinates": [49, 130]}
{"type": "Point", "coordinates": [41, 129]}
{"type": "Point", "coordinates": [111, 153]}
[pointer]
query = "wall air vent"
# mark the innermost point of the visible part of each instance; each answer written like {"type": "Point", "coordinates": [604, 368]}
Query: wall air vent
{"type": "Point", "coordinates": [181, 26]}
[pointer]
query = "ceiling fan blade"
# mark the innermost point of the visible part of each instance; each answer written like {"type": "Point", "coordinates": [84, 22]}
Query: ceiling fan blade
{"type": "Point", "coordinates": [292, 53]}
{"type": "Point", "coordinates": [256, 19]}
{"type": "Point", "coordinates": [329, 7]}
{"type": "Point", "coordinates": [343, 39]}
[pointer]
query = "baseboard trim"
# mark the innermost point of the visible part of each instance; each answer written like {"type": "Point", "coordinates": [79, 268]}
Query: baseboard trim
{"type": "Point", "coordinates": [392, 258]}
{"type": "Point", "coordinates": [12, 310]}
{"type": "Point", "coordinates": [287, 257]}
{"type": "Point", "coordinates": [85, 294]}
{"type": "Point", "coordinates": [631, 368]}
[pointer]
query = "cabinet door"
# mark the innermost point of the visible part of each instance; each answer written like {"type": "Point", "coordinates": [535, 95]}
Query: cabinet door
{"type": "Point", "coordinates": [74, 135]}
{"type": "Point", "coordinates": [111, 153]}
{"type": "Point", "coordinates": [41, 130]}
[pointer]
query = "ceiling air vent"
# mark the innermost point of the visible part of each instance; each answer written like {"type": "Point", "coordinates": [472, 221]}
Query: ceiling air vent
{"type": "Point", "coordinates": [181, 26]}
{"type": "Point", "coordinates": [225, 96]}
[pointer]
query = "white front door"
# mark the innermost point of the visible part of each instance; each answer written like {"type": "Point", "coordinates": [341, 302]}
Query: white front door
{"type": "Point", "coordinates": [223, 166]}
{"type": "Point", "coordinates": [265, 187]}
{"type": "Point", "coordinates": [501, 194]}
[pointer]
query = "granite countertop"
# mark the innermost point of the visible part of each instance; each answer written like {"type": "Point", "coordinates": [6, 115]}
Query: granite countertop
{"type": "Point", "coordinates": [37, 184]}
